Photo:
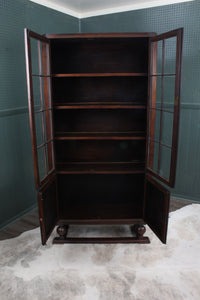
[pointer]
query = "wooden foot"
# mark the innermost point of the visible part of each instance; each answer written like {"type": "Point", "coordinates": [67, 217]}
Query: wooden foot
{"type": "Point", "coordinates": [62, 231]}
{"type": "Point", "coordinates": [139, 230]}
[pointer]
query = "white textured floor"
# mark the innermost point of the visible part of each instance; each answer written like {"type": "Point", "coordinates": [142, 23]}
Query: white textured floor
{"type": "Point", "coordinates": [131, 271]}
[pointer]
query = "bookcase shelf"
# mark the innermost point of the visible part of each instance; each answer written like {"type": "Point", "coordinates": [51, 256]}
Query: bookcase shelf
{"type": "Point", "coordinates": [101, 168]}
{"type": "Point", "coordinates": [100, 75]}
{"type": "Point", "coordinates": [132, 135]}
{"type": "Point", "coordinates": [99, 105]}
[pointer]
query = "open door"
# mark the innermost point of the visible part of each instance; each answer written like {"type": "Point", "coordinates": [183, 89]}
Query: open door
{"type": "Point", "coordinates": [38, 71]}
{"type": "Point", "coordinates": [156, 208]}
{"type": "Point", "coordinates": [165, 59]}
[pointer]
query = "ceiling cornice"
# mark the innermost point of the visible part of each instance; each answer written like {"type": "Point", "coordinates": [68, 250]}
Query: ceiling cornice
{"type": "Point", "coordinates": [115, 9]}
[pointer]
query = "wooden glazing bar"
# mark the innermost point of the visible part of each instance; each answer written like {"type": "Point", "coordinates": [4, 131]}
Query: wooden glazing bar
{"type": "Point", "coordinates": [100, 106]}
{"type": "Point", "coordinates": [42, 110]}
{"type": "Point", "coordinates": [166, 35]}
{"type": "Point", "coordinates": [41, 102]}
{"type": "Point", "coordinates": [160, 109]}
{"type": "Point", "coordinates": [151, 102]}
{"type": "Point", "coordinates": [179, 49]}
{"type": "Point", "coordinates": [46, 71]}
{"type": "Point", "coordinates": [162, 144]}
{"type": "Point", "coordinates": [45, 143]}
{"type": "Point", "coordinates": [40, 75]}
{"type": "Point", "coordinates": [31, 105]}
{"type": "Point", "coordinates": [162, 74]}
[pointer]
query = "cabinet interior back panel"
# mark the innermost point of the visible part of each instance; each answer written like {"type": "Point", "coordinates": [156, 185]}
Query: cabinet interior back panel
{"type": "Point", "coordinates": [100, 196]}
{"type": "Point", "coordinates": [99, 55]}
{"type": "Point", "coordinates": [99, 120]}
{"type": "Point", "coordinates": [100, 151]}
{"type": "Point", "coordinates": [102, 89]}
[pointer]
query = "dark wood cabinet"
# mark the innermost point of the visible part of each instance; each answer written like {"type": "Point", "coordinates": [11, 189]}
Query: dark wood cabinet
{"type": "Point", "coordinates": [104, 115]}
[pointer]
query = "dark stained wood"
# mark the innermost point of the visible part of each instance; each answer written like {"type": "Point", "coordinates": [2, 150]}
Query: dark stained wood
{"type": "Point", "coordinates": [156, 208]}
{"type": "Point", "coordinates": [171, 180]}
{"type": "Point", "coordinates": [100, 196]}
{"type": "Point", "coordinates": [177, 105]}
{"type": "Point", "coordinates": [100, 35]}
{"type": "Point", "coordinates": [100, 89]}
{"type": "Point", "coordinates": [130, 135]}
{"type": "Point", "coordinates": [47, 207]}
{"type": "Point", "coordinates": [103, 240]}
{"type": "Point", "coordinates": [31, 104]}
{"type": "Point", "coordinates": [100, 75]}
{"type": "Point", "coordinates": [100, 105]}
{"type": "Point", "coordinates": [70, 151]}
{"type": "Point", "coordinates": [98, 101]}
{"type": "Point", "coordinates": [31, 220]}
{"type": "Point", "coordinates": [105, 120]}
{"type": "Point", "coordinates": [101, 168]}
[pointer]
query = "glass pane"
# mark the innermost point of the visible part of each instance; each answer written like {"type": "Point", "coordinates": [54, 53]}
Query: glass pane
{"type": "Point", "coordinates": [155, 124]}
{"type": "Point", "coordinates": [153, 156]}
{"type": "Point", "coordinates": [49, 148]}
{"type": "Point", "coordinates": [41, 163]}
{"type": "Point", "coordinates": [36, 93]}
{"type": "Point", "coordinates": [170, 55]}
{"type": "Point", "coordinates": [167, 128]}
{"type": "Point", "coordinates": [44, 128]}
{"type": "Point", "coordinates": [47, 91]}
{"type": "Point", "coordinates": [156, 92]}
{"type": "Point", "coordinates": [47, 157]}
{"type": "Point", "coordinates": [157, 68]}
{"type": "Point", "coordinates": [38, 129]}
{"type": "Point", "coordinates": [36, 57]}
{"type": "Point", "coordinates": [48, 118]}
{"type": "Point", "coordinates": [165, 162]}
{"type": "Point", "coordinates": [169, 92]}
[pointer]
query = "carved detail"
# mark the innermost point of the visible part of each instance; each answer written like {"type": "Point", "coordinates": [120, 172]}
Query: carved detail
{"type": "Point", "coordinates": [62, 231]}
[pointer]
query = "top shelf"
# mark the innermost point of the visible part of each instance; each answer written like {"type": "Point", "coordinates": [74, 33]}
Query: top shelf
{"type": "Point", "coordinates": [100, 75]}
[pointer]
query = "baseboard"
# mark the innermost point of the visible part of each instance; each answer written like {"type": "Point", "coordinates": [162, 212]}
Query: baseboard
{"type": "Point", "coordinates": [178, 197]}
{"type": "Point", "coordinates": [18, 216]}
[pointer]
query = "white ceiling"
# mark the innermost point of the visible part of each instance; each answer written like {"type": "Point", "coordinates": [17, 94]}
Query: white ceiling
{"type": "Point", "coordinates": [89, 8]}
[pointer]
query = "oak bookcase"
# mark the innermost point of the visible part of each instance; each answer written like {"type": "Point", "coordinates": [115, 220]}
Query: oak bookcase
{"type": "Point", "coordinates": [104, 115]}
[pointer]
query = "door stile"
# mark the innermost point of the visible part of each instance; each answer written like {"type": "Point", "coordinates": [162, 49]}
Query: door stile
{"type": "Point", "coordinates": [31, 105]}
{"type": "Point", "coordinates": [176, 106]}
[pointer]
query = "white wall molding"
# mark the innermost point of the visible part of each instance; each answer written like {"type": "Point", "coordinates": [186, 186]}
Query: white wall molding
{"type": "Point", "coordinates": [62, 8]}
{"type": "Point", "coordinates": [76, 12]}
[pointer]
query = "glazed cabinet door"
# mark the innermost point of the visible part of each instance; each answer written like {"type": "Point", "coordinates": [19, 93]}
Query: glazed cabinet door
{"type": "Point", "coordinates": [165, 59]}
{"type": "Point", "coordinates": [38, 71]}
{"type": "Point", "coordinates": [156, 207]}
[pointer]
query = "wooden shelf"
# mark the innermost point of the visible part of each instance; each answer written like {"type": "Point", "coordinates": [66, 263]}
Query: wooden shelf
{"type": "Point", "coordinates": [101, 168]}
{"type": "Point", "coordinates": [100, 105]}
{"type": "Point", "coordinates": [130, 135]}
{"type": "Point", "coordinates": [100, 75]}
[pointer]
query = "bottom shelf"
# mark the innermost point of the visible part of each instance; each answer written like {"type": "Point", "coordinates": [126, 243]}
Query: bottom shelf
{"type": "Point", "coordinates": [101, 168]}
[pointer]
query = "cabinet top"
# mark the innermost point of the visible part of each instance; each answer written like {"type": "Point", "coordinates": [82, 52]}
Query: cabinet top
{"type": "Point", "coordinates": [100, 35]}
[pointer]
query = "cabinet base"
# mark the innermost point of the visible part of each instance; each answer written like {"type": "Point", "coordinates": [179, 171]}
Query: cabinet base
{"type": "Point", "coordinates": [139, 230]}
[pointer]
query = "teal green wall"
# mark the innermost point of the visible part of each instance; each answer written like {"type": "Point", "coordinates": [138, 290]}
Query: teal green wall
{"type": "Point", "coordinates": [162, 19]}
{"type": "Point", "coordinates": [17, 187]}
